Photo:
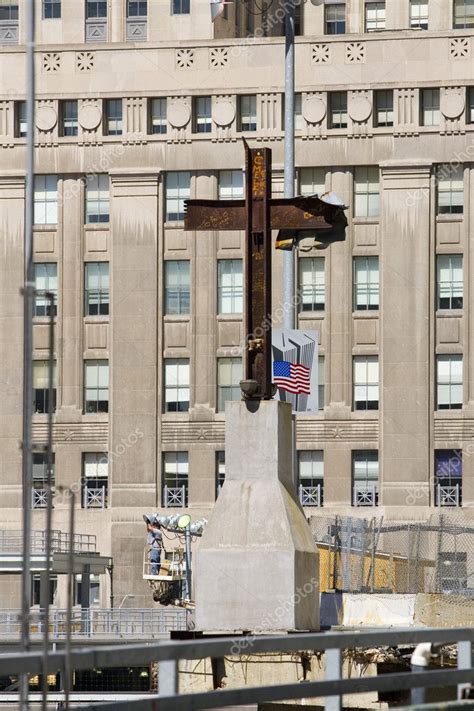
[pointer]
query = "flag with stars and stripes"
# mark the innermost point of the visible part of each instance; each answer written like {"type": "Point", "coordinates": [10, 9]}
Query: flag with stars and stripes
{"type": "Point", "coordinates": [292, 377]}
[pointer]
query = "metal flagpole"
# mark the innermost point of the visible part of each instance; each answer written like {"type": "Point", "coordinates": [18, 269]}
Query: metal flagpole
{"type": "Point", "coordinates": [28, 294]}
{"type": "Point", "coordinates": [288, 257]}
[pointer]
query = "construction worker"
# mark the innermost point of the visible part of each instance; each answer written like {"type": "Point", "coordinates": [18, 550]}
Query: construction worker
{"type": "Point", "coordinates": [155, 541]}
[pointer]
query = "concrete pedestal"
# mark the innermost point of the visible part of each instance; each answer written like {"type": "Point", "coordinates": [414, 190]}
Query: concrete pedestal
{"type": "Point", "coordinates": [257, 567]}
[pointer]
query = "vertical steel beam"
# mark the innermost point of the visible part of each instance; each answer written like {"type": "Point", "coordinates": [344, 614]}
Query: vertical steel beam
{"type": "Point", "coordinates": [168, 678]}
{"type": "Point", "coordinates": [258, 271]}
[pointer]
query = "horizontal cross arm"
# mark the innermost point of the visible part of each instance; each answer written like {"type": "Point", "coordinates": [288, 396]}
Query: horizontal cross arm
{"type": "Point", "coordinates": [300, 213]}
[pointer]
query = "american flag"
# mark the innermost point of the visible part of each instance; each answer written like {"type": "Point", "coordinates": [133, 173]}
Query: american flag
{"type": "Point", "coordinates": [291, 377]}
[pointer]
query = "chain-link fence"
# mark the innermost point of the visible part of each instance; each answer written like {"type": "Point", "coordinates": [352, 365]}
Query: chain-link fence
{"type": "Point", "coordinates": [368, 555]}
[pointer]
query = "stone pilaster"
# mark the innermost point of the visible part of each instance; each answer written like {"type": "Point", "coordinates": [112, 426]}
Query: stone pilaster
{"type": "Point", "coordinates": [134, 319]}
{"type": "Point", "coordinates": [405, 351]}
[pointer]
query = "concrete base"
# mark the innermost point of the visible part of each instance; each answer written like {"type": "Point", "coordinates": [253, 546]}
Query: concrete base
{"type": "Point", "coordinates": [257, 567]}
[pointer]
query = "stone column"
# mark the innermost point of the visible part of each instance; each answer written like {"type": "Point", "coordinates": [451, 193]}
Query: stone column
{"type": "Point", "coordinates": [204, 310]}
{"type": "Point", "coordinates": [338, 356]}
{"type": "Point", "coordinates": [405, 351]}
{"type": "Point", "coordinates": [133, 362]}
{"type": "Point", "coordinates": [70, 304]}
{"type": "Point", "coordinates": [12, 209]}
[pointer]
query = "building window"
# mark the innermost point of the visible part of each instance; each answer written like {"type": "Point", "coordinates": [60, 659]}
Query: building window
{"type": "Point", "coordinates": [430, 114]}
{"type": "Point", "coordinates": [298, 112]}
{"type": "Point", "coordinates": [449, 372]}
{"type": "Point", "coordinates": [220, 471]}
{"type": "Point", "coordinates": [231, 185]}
{"type": "Point", "coordinates": [365, 478]}
{"type": "Point", "coordinates": [46, 200]}
{"type": "Point", "coordinates": [176, 384]}
{"type": "Point", "coordinates": [384, 108]}
{"type": "Point", "coordinates": [229, 375]}
{"type": "Point", "coordinates": [448, 477]}
{"type": "Point", "coordinates": [312, 181]}
{"type": "Point", "coordinates": [21, 126]}
{"type": "Point", "coordinates": [36, 589]}
{"type": "Point", "coordinates": [229, 286]}
{"type": "Point", "coordinates": [97, 199]}
{"type": "Point", "coordinates": [321, 381]}
{"type": "Point", "coordinates": [463, 14]}
{"type": "Point", "coordinates": [96, 9]}
{"type": "Point", "coordinates": [8, 11]}
{"type": "Point", "coordinates": [137, 8]}
{"type": "Point", "coordinates": [247, 113]}
{"type": "Point", "coordinates": [158, 120]}
{"type": "Point", "coordinates": [180, 7]}
{"type": "Point", "coordinates": [96, 386]}
{"type": "Point", "coordinates": [178, 189]}
{"type": "Point", "coordinates": [96, 289]}
{"type": "Point", "coordinates": [366, 283]}
{"type": "Point", "coordinates": [40, 480]}
{"type": "Point", "coordinates": [51, 9]}
{"type": "Point", "coordinates": [470, 104]}
{"type": "Point", "coordinates": [311, 283]}
{"type": "Point", "coordinates": [202, 113]}
{"type": "Point", "coordinates": [177, 286]}
{"type": "Point", "coordinates": [113, 117]}
{"type": "Point", "coordinates": [335, 19]}
{"type": "Point", "coordinates": [374, 16]}
{"type": "Point", "coordinates": [69, 125]}
{"type": "Point", "coordinates": [366, 382]}
{"type": "Point", "coordinates": [450, 281]}
{"type": "Point", "coordinates": [310, 477]}
{"type": "Point", "coordinates": [450, 185]}
{"type": "Point", "coordinates": [366, 191]}
{"type": "Point", "coordinates": [338, 109]}
{"type": "Point", "coordinates": [175, 479]}
{"type": "Point", "coordinates": [419, 14]}
{"type": "Point", "coordinates": [94, 590]}
{"type": "Point", "coordinates": [46, 282]}
{"type": "Point", "coordinates": [95, 468]}
{"type": "Point", "coordinates": [41, 387]}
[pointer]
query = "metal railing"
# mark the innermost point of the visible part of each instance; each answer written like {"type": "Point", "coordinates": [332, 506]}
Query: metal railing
{"type": "Point", "coordinates": [365, 494]}
{"type": "Point", "coordinates": [448, 495]}
{"type": "Point", "coordinates": [333, 687]}
{"type": "Point", "coordinates": [11, 541]}
{"type": "Point", "coordinates": [94, 497]}
{"type": "Point", "coordinates": [148, 622]}
{"type": "Point", "coordinates": [311, 495]}
{"type": "Point", "coordinates": [174, 496]}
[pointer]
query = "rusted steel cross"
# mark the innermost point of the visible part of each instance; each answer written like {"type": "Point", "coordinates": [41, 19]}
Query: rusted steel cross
{"type": "Point", "coordinates": [258, 215]}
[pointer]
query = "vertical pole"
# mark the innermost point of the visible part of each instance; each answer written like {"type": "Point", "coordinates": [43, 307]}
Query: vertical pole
{"type": "Point", "coordinates": [464, 662]}
{"type": "Point", "coordinates": [70, 583]}
{"type": "Point", "coordinates": [288, 257]}
{"type": "Point", "coordinates": [168, 677]}
{"type": "Point", "coordinates": [333, 673]}
{"type": "Point", "coordinates": [49, 499]}
{"type": "Point", "coordinates": [188, 562]}
{"type": "Point", "coordinates": [28, 295]}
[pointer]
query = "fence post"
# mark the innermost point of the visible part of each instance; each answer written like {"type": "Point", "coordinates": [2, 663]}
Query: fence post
{"type": "Point", "coordinates": [464, 662]}
{"type": "Point", "coordinates": [333, 673]}
{"type": "Point", "coordinates": [168, 677]}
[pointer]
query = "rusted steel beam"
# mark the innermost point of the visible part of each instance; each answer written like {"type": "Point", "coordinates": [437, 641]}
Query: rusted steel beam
{"type": "Point", "coordinates": [300, 213]}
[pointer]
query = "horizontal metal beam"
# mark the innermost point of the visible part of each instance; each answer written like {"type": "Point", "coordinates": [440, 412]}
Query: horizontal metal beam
{"type": "Point", "coordinates": [301, 213]}
{"type": "Point", "coordinates": [283, 692]}
{"type": "Point", "coordinates": [138, 654]}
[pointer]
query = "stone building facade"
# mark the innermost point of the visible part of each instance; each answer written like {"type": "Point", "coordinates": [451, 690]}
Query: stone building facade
{"type": "Point", "coordinates": [140, 106]}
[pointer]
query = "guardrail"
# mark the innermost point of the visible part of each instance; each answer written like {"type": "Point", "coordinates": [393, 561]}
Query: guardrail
{"type": "Point", "coordinates": [11, 541]}
{"type": "Point", "coordinates": [128, 622]}
{"type": "Point", "coordinates": [168, 654]}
